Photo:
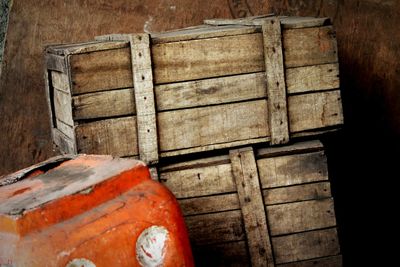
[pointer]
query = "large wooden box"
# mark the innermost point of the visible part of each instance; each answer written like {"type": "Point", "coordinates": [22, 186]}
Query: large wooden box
{"type": "Point", "coordinates": [196, 89]}
{"type": "Point", "coordinates": [268, 207]}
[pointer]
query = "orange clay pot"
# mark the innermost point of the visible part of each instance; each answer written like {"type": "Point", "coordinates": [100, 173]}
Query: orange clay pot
{"type": "Point", "coordinates": [90, 211]}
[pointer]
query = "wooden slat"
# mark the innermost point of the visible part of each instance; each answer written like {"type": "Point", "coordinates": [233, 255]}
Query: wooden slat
{"type": "Point", "coordinates": [244, 170]}
{"type": "Point", "coordinates": [333, 261]}
{"type": "Point", "coordinates": [307, 245]}
{"type": "Point", "coordinates": [55, 62]}
{"type": "Point", "coordinates": [212, 125]}
{"type": "Point", "coordinates": [197, 163]}
{"type": "Point", "coordinates": [292, 169]}
{"type": "Point", "coordinates": [297, 193]}
{"type": "Point", "coordinates": [276, 88]}
{"type": "Point", "coordinates": [62, 107]}
{"type": "Point", "coordinates": [86, 47]}
{"type": "Point", "coordinates": [210, 91]}
{"type": "Point", "coordinates": [64, 144]}
{"type": "Point", "coordinates": [198, 59]}
{"type": "Point", "coordinates": [300, 216]}
{"type": "Point", "coordinates": [312, 111]}
{"type": "Point", "coordinates": [115, 137]}
{"type": "Point", "coordinates": [199, 205]}
{"type": "Point", "coordinates": [104, 104]}
{"type": "Point", "coordinates": [233, 254]}
{"type": "Point", "coordinates": [101, 70]}
{"type": "Point", "coordinates": [296, 148]}
{"type": "Point", "coordinates": [60, 81]}
{"type": "Point", "coordinates": [309, 46]}
{"type": "Point", "coordinates": [215, 227]}
{"type": "Point", "coordinates": [66, 129]}
{"type": "Point", "coordinates": [292, 22]}
{"type": "Point", "coordinates": [199, 181]}
{"type": "Point", "coordinates": [312, 78]}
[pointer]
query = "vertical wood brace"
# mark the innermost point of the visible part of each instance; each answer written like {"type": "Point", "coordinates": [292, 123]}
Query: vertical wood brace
{"type": "Point", "coordinates": [244, 170]}
{"type": "Point", "coordinates": [275, 76]}
{"type": "Point", "coordinates": [144, 93]}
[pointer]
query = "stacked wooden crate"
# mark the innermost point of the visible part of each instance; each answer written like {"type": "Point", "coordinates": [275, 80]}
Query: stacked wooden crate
{"type": "Point", "coordinates": [215, 87]}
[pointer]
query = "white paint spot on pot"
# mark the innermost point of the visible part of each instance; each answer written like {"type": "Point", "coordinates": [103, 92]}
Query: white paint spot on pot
{"type": "Point", "coordinates": [150, 246]}
{"type": "Point", "coordinates": [80, 263]}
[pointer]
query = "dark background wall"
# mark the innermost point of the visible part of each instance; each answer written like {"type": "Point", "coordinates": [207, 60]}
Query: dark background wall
{"type": "Point", "coordinates": [362, 171]}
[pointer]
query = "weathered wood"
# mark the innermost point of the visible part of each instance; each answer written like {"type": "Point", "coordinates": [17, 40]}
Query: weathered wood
{"type": "Point", "coordinates": [199, 205]}
{"type": "Point", "coordinates": [233, 254]}
{"type": "Point", "coordinates": [55, 62]}
{"type": "Point", "coordinates": [66, 129]}
{"type": "Point", "coordinates": [292, 22]}
{"type": "Point", "coordinates": [197, 163]}
{"type": "Point", "coordinates": [87, 47]}
{"type": "Point", "coordinates": [276, 88]}
{"type": "Point", "coordinates": [206, 58]}
{"type": "Point", "coordinates": [62, 107]}
{"type": "Point", "coordinates": [215, 227]}
{"type": "Point", "coordinates": [333, 261]}
{"type": "Point", "coordinates": [210, 91]}
{"type": "Point", "coordinates": [112, 137]}
{"type": "Point", "coordinates": [101, 70]}
{"type": "Point", "coordinates": [60, 81]}
{"type": "Point", "coordinates": [63, 142]}
{"type": "Point", "coordinates": [292, 169]}
{"type": "Point", "coordinates": [296, 148]}
{"type": "Point", "coordinates": [212, 125]}
{"type": "Point", "coordinates": [297, 193]}
{"type": "Point", "coordinates": [309, 46]}
{"type": "Point", "coordinates": [312, 111]}
{"type": "Point", "coordinates": [300, 216]}
{"type": "Point", "coordinates": [104, 104]}
{"type": "Point", "coordinates": [244, 170]}
{"type": "Point", "coordinates": [249, 21]}
{"type": "Point", "coordinates": [200, 181]}
{"type": "Point", "coordinates": [312, 78]}
{"type": "Point", "coordinates": [200, 32]}
{"type": "Point", "coordinates": [304, 246]}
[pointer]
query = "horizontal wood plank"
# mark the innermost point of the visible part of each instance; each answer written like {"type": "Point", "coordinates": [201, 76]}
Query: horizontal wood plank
{"type": "Point", "coordinates": [215, 227]}
{"type": "Point", "coordinates": [212, 125]}
{"type": "Point", "coordinates": [312, 78]}
{"type": "Point", "coordinates": [292, 169]}
{"type": "Point", "coordinates": [104, 104]}
{"type": "Point", "coordinates": [196, 163]}
{"type": "Point", "coordinates": [313, 111]}
{"type": "Point", "coordinates": [200, 181]}
{"type": "Point", "coordinates": [296, 148]}
{"type": "Point", "coordinates": [210, 91]}
{"type": "Point", "coordinates": [333, 261]}
{"type": "Point", "coordinates": [309, 46]}
{"type": "Point", "coordinates": [233, 254]}
{"type": "Point", "coordinates": [86, 47]}
{"type": "Point", "coordinates": [300, 216]}
{"type": "Point", "coordinates": [101, 70]}
{"type": "Point", "coordinates": [297, 193]}
{"type": "Point", "coordinates": [304, 246]}
{"type": "Point", "coordinates": [199, 205]}
{"type": "Point", "coordinates": [115, 137]}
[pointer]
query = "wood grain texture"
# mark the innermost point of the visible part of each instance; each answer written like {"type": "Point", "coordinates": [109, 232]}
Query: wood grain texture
{"type": "Point", "coordinates": [115, 137]}
{"type": "Point", "coordinates": [333, 261]}
{"type": "Point", "coordinates": [66, 129]}
{"type": "Point", "coordinates": [201, 181]}
{"type": "Point", "coordinates": [297, 193]}
{"type": "Point", "coordinates": [300, 216]}
{"type": "Point", "coordinates": [304, 246]}
{"type": "Point", "coordinates": [318, 109]}
{"type": "Point", "coordinates": [210, 91]}
{"type": "Point", "coordinates": [207, 204]}
{"type": "Point", "coordinates": [62, 107]}
{"type": "Point", "coordinates": [309, 46]}
{"type": "Point", "coordinates": [276, 86]}
{"type": "Point", "coordinates": [101, 70]}
{"type": "Point", "coordinates": [60, 81]}
{"type": "Point", "coordinates": [312, 78]}
{"type": "Point", "coordinates": [244, 170]}
{"type": "Point", "coordinates": [198, 59]}
{"type": "Point", "coordinates": [104, 104]}
{"type": "Point", "coordinates": [63, 142]}
{"type": "Point", "coordinates": [212, 125]}
{"type": "Point", "coordinates": [215, 227]}
{"type": "Point", "coordinates": [86, 47]}
{"type": "Point", "coordinates": [55, 62]}
{"type": "Point", "coordinates": [292, 169]}
{"type": "Point", "coordinates": [296, 148]}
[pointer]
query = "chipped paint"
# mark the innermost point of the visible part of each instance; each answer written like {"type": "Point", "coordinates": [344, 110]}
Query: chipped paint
{"type": "Point", "coordinates": [150, 246]}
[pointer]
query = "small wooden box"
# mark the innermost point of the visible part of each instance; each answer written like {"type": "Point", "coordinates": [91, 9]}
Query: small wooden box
{"type": "Point", "coordinates": [271, 207]}
{"type": "Point", "coordinates": [196, 89]}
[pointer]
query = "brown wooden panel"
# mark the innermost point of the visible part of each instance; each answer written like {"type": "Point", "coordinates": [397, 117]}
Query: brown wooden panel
{"type": "Point", "coordinates": [333, 261]}
{"type": "Point", "coordinates": [207, 204]}
{"type": "Point", "coordinates": [62, 107]}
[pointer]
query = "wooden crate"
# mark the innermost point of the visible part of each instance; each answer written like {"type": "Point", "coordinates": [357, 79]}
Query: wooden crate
{"type": "Point", "coordinates": [196, 89]}
{"type": "Point", "coordinates": [271, 207]}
